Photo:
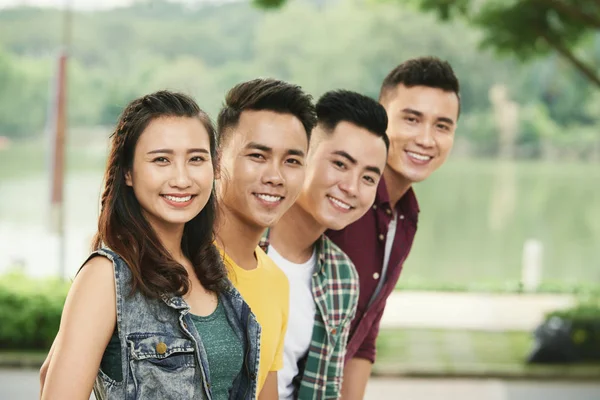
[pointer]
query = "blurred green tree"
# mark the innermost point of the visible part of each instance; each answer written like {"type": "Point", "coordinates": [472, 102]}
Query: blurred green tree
{"type": "Point", "coordinates": [529, 28]}
{"type": "Point", "coordinates": [524, 28]}
{"type": "Point", "coordinates": [119, 54]}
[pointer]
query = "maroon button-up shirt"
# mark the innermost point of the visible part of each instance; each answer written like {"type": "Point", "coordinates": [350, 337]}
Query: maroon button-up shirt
{"type": "Point", "coordinates": [364, 242]}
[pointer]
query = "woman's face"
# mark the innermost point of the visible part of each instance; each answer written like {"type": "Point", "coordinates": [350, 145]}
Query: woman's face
{"type": "Point", "coordinates": [172, 171]}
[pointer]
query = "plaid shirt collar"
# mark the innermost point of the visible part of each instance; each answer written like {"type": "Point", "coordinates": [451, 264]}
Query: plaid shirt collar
{"type": "Point", "coordinates": [322, 247]}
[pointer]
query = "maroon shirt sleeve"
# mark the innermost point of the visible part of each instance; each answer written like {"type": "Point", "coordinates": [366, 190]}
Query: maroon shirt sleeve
{"type": "Point", "coordinates": [367, 348]}
{"type": "Point", "coordinates": [364, 242]}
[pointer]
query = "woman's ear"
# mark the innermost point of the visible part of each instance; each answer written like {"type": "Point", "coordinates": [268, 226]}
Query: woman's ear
{"type": "Point", "coordinates": [128, 180]}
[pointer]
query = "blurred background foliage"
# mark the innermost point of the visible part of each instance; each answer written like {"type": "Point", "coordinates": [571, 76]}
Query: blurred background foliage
{"type": "Point", "coordinates": [478, 210]}
{"type": "Point", "coordinates": [121, 53]}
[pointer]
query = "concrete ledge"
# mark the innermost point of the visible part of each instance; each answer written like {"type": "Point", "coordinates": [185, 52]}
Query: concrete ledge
{"type": "Point", "coordinates": [470, 311]}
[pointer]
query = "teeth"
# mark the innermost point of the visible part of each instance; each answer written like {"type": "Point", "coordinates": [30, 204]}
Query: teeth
{"type": "Point", "coordinates": [179, 199]}
{"type": "Point", "coordinates": [419, 157]}
{"type": "Point", "coordinates": [339, 203]}
{"type": "Point", "coordinates": [269, 198]}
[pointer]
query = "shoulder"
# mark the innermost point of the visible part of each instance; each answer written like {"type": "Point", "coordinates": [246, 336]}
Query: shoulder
{"type": "Point", "coordinates": [96, 277]}
{"type": "Point", "coordinates": [99, 265]}
{"type": "Point", "coordinates": [353, 234]}
{"type": "Point", "coordinates": [93, 290]}
{"type": "Point", "coordinates": [270, 270]}
{"type": "Point", "coordinates": [110, 260]}
{"type": "Point", "coordinates": [335, 259]}
{"type": "Point", "coordinates": [266, 263]}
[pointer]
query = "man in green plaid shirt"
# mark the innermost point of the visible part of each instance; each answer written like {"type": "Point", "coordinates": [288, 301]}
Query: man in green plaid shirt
{"type": "Point", "coordinates": [347, 155]}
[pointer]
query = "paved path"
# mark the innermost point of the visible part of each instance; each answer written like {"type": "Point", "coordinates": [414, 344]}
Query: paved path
{"type": "Point", "coordinates": [476, 311]}
{"type": "Point", "coordinates": [23, 385]}
{"type": "Point", "coordinates": [463, 389]}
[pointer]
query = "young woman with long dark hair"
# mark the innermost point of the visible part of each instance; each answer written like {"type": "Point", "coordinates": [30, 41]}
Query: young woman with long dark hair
{"type": "Point", "coordinates": [151, 314]}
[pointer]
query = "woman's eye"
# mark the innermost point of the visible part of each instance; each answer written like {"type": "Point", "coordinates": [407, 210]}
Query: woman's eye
{"type": "Point", "coordinates": [257, 156]}
{"type": "Point", "coordinates": [160, 160]}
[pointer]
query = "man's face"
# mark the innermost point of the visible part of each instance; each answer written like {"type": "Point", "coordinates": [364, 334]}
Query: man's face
{"type": "Point", "coordinates": [421, 126]}
{"type": "Point", "coordinates": [262, 167]}
{"type": "Point", "coordinates": [344, 168]}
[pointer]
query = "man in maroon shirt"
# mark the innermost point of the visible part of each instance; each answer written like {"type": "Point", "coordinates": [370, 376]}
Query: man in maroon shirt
{"type": "Point", "coordinates": [421, 97]}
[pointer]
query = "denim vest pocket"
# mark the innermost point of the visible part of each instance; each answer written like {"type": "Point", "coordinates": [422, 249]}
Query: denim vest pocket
{"type": "Point", "coordinates": [107, 388]}
{"type": "Point", "coordinates": [163, 367]}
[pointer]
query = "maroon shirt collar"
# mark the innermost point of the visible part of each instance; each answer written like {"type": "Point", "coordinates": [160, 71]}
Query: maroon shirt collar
{"type": "Point", "coordinates": [407, 205]}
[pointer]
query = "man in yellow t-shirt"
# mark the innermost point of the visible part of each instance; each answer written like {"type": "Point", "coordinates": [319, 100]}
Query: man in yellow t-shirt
{"type": "Point", "coordinates": [266, 289]}
{"type": "Point", "coordinates": [263, 134]}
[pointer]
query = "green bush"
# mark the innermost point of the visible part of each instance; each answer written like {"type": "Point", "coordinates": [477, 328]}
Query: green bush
{"type": "Point", "coordinates": [586, 311]}
{"type": "Point", "coordinates": [30, 311]}
{"type": "Point", "coordinates": [584, 327]}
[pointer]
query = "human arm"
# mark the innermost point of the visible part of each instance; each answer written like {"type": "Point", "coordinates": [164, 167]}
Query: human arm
{"type": "Point", "coordinates": [87, 323]}
{"type": "Point", "coordinates": [358, 369]}
{"type": "Point", "coordinates": [356, 376]}
{"type": "Point", "coordinates": [44, 367]}
{"type": "Point", "coordinates": [269, 390]}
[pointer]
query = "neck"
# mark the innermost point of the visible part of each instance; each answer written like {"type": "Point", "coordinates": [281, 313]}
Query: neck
{"type": "Point", "coordinates": [295, 234]}
{"type": "Point", "coordinates": [170, 236]}
{"type": "Point", "coordinates": [397, 185]}
{"type": "Point", "coordinates": [238, 239]}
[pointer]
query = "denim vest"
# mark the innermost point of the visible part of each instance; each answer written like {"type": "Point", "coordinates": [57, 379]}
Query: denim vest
{"type": "Point", "coordinates": [162, 356]}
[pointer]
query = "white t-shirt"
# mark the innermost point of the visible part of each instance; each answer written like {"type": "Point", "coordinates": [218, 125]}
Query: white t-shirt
{"type": "Point", "coordinates": [301, 318]}
{"type": "Point", "coordinates": [389, 242]}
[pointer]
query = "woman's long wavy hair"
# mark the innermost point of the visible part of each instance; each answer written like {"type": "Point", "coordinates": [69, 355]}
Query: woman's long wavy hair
{"type": "Point", "coordinates": [122, 226]}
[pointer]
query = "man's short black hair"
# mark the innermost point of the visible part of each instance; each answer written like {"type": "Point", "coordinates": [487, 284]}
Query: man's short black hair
{"type": "Point", "coordinates": [423, 71]}
{"type": "Point", "coordinates": [344, 105]}
{"type": "Point", "coordinates": [270, 95]}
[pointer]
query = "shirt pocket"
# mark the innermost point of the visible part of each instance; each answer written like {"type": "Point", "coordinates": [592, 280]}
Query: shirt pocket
{"type": "Point", "coordinates": [163, 367]}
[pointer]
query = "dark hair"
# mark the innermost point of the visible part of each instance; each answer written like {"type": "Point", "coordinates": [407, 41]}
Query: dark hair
{"type": "Point", "coordinates": [266, 94]}
{"type": "Point", "coordinates": [122, 226]}
{"type": "Point", "coordinates": [423, 71]}
{"type": "Point", "coordinates": [343, 105]}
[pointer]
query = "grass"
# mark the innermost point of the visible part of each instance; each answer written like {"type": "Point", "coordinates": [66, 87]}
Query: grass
{"type": "Point", "coordinates": [583, 288]}
{"type": "Point", "coordinates": [428, 352]}
{"type": "Point", "coordinates": [22, 358]}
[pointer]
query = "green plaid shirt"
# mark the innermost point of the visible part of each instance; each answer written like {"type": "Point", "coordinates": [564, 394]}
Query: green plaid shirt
{"type": "Point", "coordinates": [335, 291]}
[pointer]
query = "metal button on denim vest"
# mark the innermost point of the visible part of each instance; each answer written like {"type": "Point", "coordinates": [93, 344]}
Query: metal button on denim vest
{"type": "Point", "coordinates": [162, 355]}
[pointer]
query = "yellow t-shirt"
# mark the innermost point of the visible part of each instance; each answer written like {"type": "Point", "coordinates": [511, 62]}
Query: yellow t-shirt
{"type": "Point", "coordinates": [267, 291]}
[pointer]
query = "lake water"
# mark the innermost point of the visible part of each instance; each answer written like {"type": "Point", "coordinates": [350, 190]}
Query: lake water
{"type": "Point", "coordinates": [476, 216]}
{"type": "Point", "coordinates": [25, 236]}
